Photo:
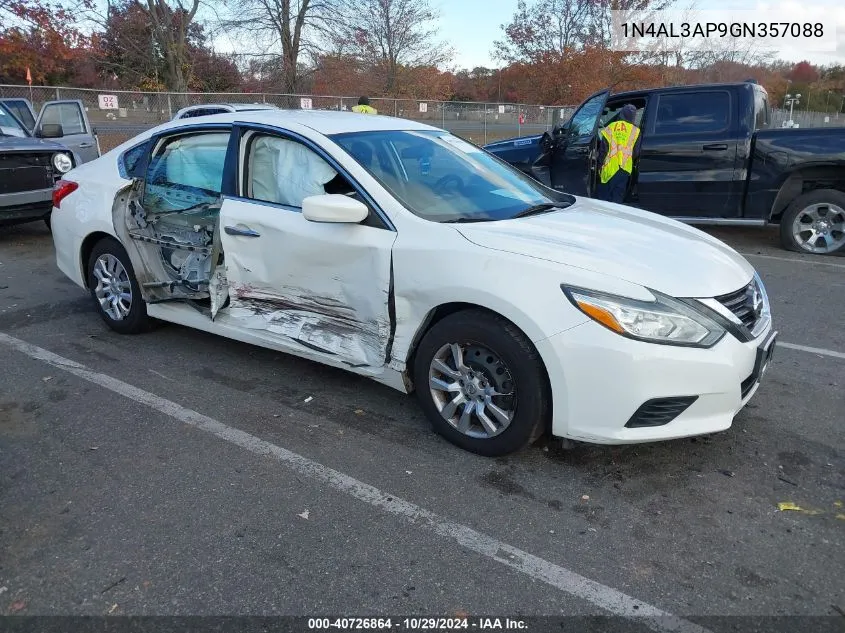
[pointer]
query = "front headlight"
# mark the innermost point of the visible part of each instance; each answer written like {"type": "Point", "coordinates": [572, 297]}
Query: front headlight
{"type": "Point", "coordinates": [62, 163]}
{"type": "Point", "coordinates": [664, 320]}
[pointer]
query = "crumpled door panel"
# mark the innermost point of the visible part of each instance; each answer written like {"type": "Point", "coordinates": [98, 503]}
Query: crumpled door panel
{"type": "Point", "coordinates": [173, 252]}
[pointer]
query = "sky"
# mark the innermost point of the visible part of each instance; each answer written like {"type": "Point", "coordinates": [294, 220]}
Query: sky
{"type": "Point", "coordinates": [472, 26]}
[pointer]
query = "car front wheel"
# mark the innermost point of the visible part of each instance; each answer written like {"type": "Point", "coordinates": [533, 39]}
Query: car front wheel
{"type": "Point", "coordinates": [481, 383]}
{"type": "Point", "coordinates": [815, 223]}
{"type": "Point", "coordinates": [114, 288]}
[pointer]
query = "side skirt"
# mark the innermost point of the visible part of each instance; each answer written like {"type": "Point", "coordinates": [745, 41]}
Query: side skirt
{"type": "Point", "coordinates": [722, 221]}
{"type": "Point", "coordinates": [223, 326]}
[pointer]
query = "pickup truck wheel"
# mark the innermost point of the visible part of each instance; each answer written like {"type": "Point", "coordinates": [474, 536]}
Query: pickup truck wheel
{"type": "Point", "coordinates": [482, 384]}
{"type": "Point", "coordinates": [815, 223]}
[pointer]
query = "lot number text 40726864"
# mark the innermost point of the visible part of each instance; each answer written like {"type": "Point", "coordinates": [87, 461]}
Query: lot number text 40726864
{"type": "Point", "coordinates": [417, 624]}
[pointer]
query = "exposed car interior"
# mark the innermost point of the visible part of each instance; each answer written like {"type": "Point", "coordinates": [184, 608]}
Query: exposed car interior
{"type": "Point", "coordinates": [171, 217]}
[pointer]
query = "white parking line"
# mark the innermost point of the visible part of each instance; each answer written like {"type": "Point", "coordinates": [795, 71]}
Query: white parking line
{"type": "Point", "coordinates": [815, 262]}
{"type": "Point", "coordinates": [600, 595]}
{"type": "Point", "coordinates": [813, 350]}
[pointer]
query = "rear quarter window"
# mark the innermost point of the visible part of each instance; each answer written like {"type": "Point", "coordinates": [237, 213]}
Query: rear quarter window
{"type": "Point", "coordinates": [131, 162]}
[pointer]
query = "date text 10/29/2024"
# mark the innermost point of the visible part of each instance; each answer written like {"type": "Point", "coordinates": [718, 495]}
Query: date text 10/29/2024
{"type": "Point", "coordinates": [417, 624]}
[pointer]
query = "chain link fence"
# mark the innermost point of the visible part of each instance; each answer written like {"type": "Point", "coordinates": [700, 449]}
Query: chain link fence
{"type": "Point", "coordinates": [477, 122]}
{"type": "Point", "coordinates": [803, 118]}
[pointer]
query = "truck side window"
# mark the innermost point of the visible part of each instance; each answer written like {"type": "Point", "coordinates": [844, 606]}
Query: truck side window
{"type": "Point", "coordinates": [761, 111]}
{"type": "Point", "coordinates": [693, 113]}
{"type": "Point", "coordinates": [584, 121]}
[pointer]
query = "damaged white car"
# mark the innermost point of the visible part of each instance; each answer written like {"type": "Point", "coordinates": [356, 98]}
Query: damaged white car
{"type": "Point", "coordinates": [397, 251]}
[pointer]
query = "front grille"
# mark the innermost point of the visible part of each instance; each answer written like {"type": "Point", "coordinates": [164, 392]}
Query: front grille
{"type": "Point", "coordinates": [660, 411]}
{"type": "Point", "coordinates": [22, 171]}
{"type": "Point", "coordinates": [741, 303]}
{"type": "Point", "coordinates": [25, 159]}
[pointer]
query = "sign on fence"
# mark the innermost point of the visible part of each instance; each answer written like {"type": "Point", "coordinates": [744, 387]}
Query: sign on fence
{"type": "Point", "coordinates": [501, 109]}
{"type": "Point", "coordinates": [423, 107]}
{"type": "Point", "coordinates": [107, 102]}
{"type": "Point", "coordinates": [305, 103]}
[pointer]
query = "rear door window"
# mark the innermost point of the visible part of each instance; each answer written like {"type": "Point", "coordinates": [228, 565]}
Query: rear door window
{"type": "Point", "coordinates": [185, 172]}
{"type": "Point", "coordinates": [693, 113]}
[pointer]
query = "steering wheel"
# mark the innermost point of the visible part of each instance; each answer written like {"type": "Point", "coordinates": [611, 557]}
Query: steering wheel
{"type": "Point", "coordinates": [449, 185]}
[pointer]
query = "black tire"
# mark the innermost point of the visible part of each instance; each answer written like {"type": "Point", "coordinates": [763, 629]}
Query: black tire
{"type": "Point", "coordinates": [136, 320]}
{"type": "Point", "coordinates": [533, 400]}
{"type": "Point", "coordinates": [797, 206]}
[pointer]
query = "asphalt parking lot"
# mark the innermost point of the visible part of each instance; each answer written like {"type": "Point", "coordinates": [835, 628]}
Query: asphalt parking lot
{"type": "Point", "coordinates": [180, 473]}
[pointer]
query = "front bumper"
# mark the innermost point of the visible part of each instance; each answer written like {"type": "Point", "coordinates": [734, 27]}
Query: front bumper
{"type": "Point", "coordinates": [24, 206]}
{"type": "Point", "coordinates": [600, 379]}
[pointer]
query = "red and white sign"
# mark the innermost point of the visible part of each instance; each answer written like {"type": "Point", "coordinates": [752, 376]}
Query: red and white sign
{"type": "Point", "coordinates": [522, 119]}
{"type": "Point", "coordinates": [107, 102]}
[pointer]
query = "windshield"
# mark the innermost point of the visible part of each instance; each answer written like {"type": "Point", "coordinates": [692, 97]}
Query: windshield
{"type": "Point", "coordinates": [9, 125]}
{"type": "Point", "coordinates": [443, 178]}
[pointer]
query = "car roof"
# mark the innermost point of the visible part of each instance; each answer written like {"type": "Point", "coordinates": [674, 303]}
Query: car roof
{"type": "Point", "coordinates": [233, 106]}
{"type": "Point", "coordinates": [253, 106]}
{"type": "Point", "coordinates": [325, 122]}
{"type": "Point", "coordinates": [647, 91]}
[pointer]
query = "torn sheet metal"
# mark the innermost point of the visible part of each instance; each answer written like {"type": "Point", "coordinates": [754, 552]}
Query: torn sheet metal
{"type": "Point", "coordinates": [172, 252]}
{"type": "Point", "coordinates": [318, 285]}
{"type": "Point", "coordinates": [324, 324]}
{"type": "Point", "coordinates": [218, 289]}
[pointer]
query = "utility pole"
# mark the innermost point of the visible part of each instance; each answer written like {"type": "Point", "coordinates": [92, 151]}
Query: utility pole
{"type": "Point", "coordinates": [500, 86]}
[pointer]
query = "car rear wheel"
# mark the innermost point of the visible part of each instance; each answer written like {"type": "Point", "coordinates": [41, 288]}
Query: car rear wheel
{"type": "Point", "coordinates": [815, 223]}
{"type": "Point", "coordinates": [481, 383]}
{"type": "Point", "coordinates": [114, 288]}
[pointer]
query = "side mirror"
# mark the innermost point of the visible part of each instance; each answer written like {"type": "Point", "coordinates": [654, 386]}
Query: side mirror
{"type": "Point", "coordinates": [51, 130]}
{"type": "Point", "coordinates": [334, 207]}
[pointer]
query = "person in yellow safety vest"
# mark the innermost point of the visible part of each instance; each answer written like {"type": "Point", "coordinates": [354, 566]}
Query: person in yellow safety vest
{"type": "Point", "coordinates": [618, 151]}
{"type": "Point", "coordinates": [364, 106]}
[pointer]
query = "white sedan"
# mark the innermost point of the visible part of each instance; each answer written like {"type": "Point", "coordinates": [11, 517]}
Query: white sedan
{"type": "Point", "coordinates": [394, 250]}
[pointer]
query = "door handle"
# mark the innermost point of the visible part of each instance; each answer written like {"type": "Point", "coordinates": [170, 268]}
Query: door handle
{"type": "Point", "coordinates": [716, 147]}
{"type": "Point", "coordinates": [86, 145]}
{"type": "Point", "coordinates": [246, 231]}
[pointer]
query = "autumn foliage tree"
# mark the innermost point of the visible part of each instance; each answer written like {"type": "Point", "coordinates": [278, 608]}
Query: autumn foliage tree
{"type": "Point", "coordinates": [803, 73]}
{"type": "Point", "coordinates": [42, 36]}
{"type": "Point", "coordinates": [554, 52]}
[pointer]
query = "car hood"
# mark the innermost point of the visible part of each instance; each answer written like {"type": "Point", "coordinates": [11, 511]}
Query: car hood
{"type": "Point", "coordinates": [28, 144]}
{"type": "Point", "coordinates": [633, 245]}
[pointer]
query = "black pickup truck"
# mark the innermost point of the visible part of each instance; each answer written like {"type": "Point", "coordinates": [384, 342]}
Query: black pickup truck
{"type": "Point", "coordinates": [707, 156]}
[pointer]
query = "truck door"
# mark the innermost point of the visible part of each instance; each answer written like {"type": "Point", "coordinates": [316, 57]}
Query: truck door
{"type": "Point", "coordinates": [688, 153]}
{"type": "Point", "coordinates": [573, 163]}
{"type": "Point", "coordinates": [22, 109]}
{"type": "Point", "coordinates": [77, 133]}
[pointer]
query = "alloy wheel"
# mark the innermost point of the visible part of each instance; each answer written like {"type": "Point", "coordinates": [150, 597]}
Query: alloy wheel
{"type": "Point", "coordinates": [113, 290]}
{"type": "Point", "coordinates": [820, 228]}
{"type": "Point", "coordinates": [472, 389]}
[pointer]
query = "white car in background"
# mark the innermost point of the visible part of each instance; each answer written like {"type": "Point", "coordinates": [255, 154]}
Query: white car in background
{"type": "Point", "coordinates": [394, 250]}
{"type": "Point", "coordinates": [207, 109]}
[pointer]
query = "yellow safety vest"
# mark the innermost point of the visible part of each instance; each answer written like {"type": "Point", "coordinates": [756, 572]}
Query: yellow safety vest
{"type": "Point", "coordinates": [621, 138]}
{"type": "Point", "coordinates": [364, 109]}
